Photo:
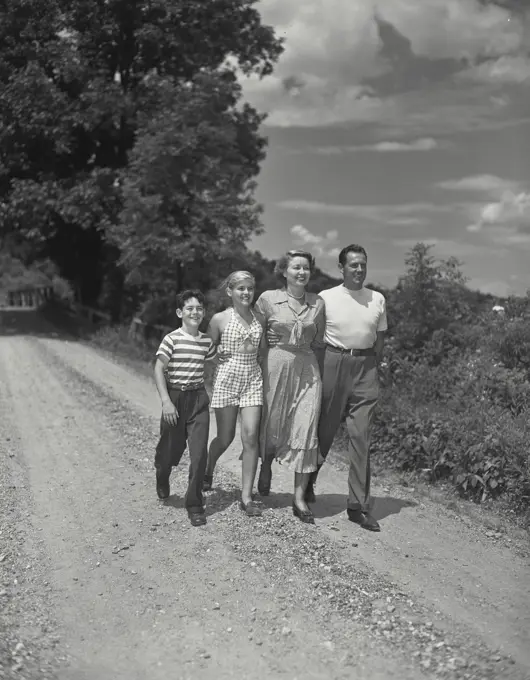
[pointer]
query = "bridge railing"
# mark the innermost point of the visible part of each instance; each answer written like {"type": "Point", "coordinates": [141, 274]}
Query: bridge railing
{"type": "Point", "coordinates": [26, 298]}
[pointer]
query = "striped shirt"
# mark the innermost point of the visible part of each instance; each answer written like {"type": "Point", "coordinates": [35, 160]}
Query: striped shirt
{"type": "Point", "coordinates": [187, 354]}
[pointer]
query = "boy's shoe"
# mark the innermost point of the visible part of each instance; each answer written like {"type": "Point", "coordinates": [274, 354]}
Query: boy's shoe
{"type": "Point", "coordinates": [197, 519]}
{"type": "Point", "coordinates": [162, 488]}
{"type": "Point", "coordinates": [207, 483]}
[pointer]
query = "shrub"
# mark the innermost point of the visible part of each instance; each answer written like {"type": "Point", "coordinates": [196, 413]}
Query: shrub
{"type": "Point", "coordinates": [511, 343]}
{"type": "Point", "coordinates": [466, 419]}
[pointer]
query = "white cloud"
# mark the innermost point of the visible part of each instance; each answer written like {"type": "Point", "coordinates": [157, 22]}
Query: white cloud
{"type": "Point", "coordinates": [304, 236]}
{"type": "Point", "coordinates": [422, 144]}
{"type": "Point", "coordinates": [483, 183]}
{"type": "Point", "coordinates": [497, 288]}
{"type": "Point", "coordinates": [506, 221]}
{"type": "Point", "coordinates": [443, 247]}
{"type": "Point", "coordinates": [505, 69]}
{"type": "Point", "coordinates": [333, 46]}
{"type": "Point", "coordinates": [322, 246]}
{"type": "Point", "coordinates": [398, 214]}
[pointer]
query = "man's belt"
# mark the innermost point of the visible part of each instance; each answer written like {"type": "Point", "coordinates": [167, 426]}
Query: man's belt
{"type": "Point", "coordinates": [368, 352]}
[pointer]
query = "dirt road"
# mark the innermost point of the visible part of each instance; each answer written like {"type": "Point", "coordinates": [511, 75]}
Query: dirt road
{"type": "Point", "coordinates": [99, 580]}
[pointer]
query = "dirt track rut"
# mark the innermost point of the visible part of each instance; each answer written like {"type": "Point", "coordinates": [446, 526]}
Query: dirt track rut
{"type": "Point", "coordinates": [120, 586]}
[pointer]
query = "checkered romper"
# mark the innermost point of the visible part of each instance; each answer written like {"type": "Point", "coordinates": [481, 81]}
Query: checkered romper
{"type": "Point", "coordinates": [238, 381]}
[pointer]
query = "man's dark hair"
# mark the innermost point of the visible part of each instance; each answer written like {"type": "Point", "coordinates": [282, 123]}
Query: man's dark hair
{"type": "Point", "coordinates": [186, 295]}
{"type": "Point", "coordinates": [352, 248]}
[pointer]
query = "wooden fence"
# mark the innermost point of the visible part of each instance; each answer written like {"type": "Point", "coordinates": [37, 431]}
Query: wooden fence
{"type": "Point", "coordinates": [26, 298]}
{"type": "Point", "coordinates": [93, 316]}
{"type": "Point", "coordinates": [36, 297]}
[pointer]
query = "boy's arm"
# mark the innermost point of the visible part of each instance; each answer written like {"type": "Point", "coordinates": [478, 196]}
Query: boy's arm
{"type": "Point", "coordinates": [169, 411]}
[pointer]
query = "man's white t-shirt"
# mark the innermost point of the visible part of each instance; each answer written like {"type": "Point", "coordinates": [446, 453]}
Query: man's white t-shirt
{"type": "Point", "coordinates": [353, 317]}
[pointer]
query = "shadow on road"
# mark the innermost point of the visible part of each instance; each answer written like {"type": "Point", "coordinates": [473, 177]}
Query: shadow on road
{"type": "Point", "coordinates": [388, 505]}
{"type": "Point", "coordinates": [217, 500]}
{"type": "Point", "coordinates": [332, 504]}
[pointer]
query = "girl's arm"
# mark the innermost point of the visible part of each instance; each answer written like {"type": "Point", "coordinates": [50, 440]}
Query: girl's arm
{"type": "Point", "coordinates": [213, 330]}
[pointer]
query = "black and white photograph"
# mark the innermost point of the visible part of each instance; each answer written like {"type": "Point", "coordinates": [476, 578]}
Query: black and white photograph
{"type": "Point", "coordinates": [265, 339]}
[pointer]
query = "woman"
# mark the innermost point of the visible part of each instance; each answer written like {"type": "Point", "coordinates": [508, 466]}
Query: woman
{"type": "Point", "coordinates": [292, 385]}
{"type": "Point", "coordinates": [238, 383]}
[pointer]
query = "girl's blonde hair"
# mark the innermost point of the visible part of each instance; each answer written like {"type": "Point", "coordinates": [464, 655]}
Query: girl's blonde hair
{"type": "Point", "coordinates": [234, 278]}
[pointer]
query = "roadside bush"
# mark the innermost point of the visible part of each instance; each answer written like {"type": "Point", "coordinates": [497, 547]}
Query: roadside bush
{"type": "Point", "coordinates": [467, 421]}
{"type": "Point", "coordinates": [511, 343]}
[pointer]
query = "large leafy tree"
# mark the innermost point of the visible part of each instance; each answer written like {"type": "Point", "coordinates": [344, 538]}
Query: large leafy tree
{"type": "Point", "coordinates": [188, 189]}
{"type": "Point", "coordinates": [87, 86]}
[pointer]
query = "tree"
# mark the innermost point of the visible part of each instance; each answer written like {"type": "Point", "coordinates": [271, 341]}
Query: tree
{"type": "Point", "coordinates": [76, 79]}
{"type": "Point", "coordinates": [188, 189]}
{"type": "Point", "coordinates": [430, 297]}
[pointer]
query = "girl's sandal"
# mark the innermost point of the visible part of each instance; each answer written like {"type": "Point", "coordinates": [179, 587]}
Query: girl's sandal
{"type": "Point", "coordinates": [251, 509]}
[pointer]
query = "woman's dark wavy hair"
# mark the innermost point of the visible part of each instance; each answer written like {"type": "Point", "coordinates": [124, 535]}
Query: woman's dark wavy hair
{"type": "Point", "coordinates": [282, 264]}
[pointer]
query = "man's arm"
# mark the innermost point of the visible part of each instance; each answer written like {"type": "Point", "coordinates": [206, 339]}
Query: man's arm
{"type": "Point", "coordinates": [379, 345]}
{"type": "Point", "coordinates": [318, 345]}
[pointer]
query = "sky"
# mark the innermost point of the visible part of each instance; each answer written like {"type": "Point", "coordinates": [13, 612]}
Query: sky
{"type": "Point", "coordinates": [399, 121]}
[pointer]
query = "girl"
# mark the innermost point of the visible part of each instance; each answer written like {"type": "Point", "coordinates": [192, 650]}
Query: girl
{"type": "Point", "coordinates": [292, 383]}
{"type": "Point", "coordinates": [238, 383]}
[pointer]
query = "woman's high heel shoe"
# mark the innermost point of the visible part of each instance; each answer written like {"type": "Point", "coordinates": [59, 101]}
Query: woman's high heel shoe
{"type": "Point", "coordinates": [305, 516]}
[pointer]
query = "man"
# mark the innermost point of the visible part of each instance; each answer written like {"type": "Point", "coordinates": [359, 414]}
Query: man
{"type": "Point", "coordinates": [353, 345]}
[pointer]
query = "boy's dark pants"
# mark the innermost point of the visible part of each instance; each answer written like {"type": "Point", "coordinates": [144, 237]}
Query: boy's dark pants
{"type": "Point", "coordinates": [350, 387]}
{"type": "Point", "coordinates": [192, 428]}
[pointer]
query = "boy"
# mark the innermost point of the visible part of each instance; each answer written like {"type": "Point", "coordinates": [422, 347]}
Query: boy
{"type": "Point", "coordinates": [179, 377]}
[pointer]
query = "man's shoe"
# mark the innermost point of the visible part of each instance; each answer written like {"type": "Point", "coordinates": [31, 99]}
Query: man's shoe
{"type": "Point", "coordinates": [197, 519]}
{"type": "Point", "coordinates": [207, 483]}
{"type": "Point", "coordinates": [363, 519]}
{"type": "Point", "coordinates": [162, 489]}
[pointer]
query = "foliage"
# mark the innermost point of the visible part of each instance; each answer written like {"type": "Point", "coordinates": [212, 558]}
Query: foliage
{"type": "Point", "coordinates": [427, 302]}
{"type": "Point", "coordinates": [78, 82]}
{"type": "Point", "coordinates": [511, 343]}
{"type": "Point", "coordinates": [188, 194]}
